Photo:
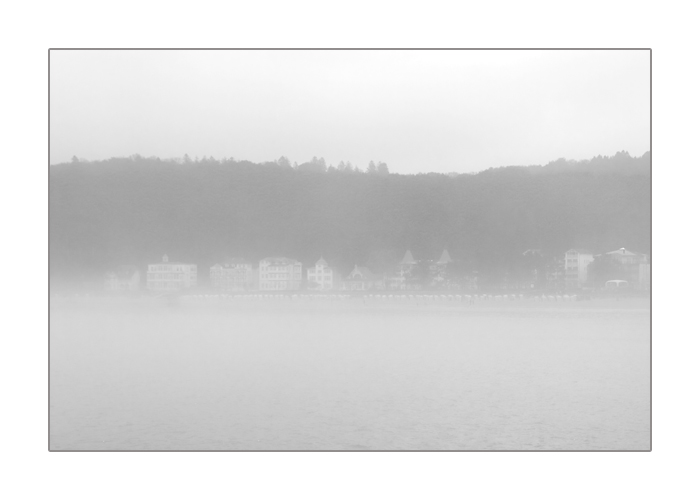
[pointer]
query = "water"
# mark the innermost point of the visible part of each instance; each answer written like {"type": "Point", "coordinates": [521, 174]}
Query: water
{"type": "Point", "coordinates": [140, 375]}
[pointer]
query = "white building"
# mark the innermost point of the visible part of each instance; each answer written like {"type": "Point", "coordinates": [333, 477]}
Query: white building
{"type": "Point", "coordinates": [362, 279]}
{"type": "Point", "coordinates": [123, 279]}
{"type": "Point", "coordinates": [233, 275]}
{"type": "Point", "coordinates": [279, 273]}
{"type": "Point", "coordinates": [576, 267]}
{"type": "Point", "coordinates": [170, 276]}
{"type": "Point", "coordinates": [635, 267]}
{"type": "Point", "coordinates": [320, 277]}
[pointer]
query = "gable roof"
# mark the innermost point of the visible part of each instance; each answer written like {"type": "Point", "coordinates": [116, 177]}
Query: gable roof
{"type": "Point", "coordinates": [231, 263]}
{"type": "Point", "coordinates": [235, 261]}
{"type": "Point", "coordinates": [362, 273]}
{"type": "Point", "coordinates": [123, 272]}
{"type": "Point", "coordinates": [280, 261]}
{"type": "Point", "coordinates": [621, 251]}
{"type": "Point", "coordinates": [444, 258]}
{"type": "Point", "coordinates": [167, 260]}
{"type": "Point", "coordinates": [321, 262]}
{"type": "Point", "coordinates": [408, 258]}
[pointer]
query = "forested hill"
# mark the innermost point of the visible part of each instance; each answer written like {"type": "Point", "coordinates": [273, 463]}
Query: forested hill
{"type": "Point", "coordinates": [133, 210]}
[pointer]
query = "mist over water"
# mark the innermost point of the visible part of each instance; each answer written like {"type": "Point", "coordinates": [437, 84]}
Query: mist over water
{"type": "Point", "coordinates": [351, 375]}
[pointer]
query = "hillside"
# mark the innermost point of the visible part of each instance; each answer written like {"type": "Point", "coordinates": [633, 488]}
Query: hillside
{"type": "Point", "coordinates": [133, 210]}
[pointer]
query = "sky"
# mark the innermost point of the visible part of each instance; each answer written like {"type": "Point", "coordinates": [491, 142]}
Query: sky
{"type": "Point", "coordinates": [417, 111]}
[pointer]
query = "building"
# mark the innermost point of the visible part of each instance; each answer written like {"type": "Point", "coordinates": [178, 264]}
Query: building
{"type": "Point", "coordinates": [576, 263]}
{"type": "Point", "coordinates": [407, 264]}
{"type": "Point", "coordinates": [362, 279]}
{"type": "Point", "coordinates": [320, 277]}
{"type": "Point", "coordinates": [233, 275]}
{"type": "Point", "coordinates": [635, 267]}
{"type": "Point", "coordinates": [279, 273]}
{"type": "Point", "coordinates": [123, 279]}
{"type": "Point", "coordinates": [438, 270]}
{"type": "Point", "coordinates": [167, 276]}
{"type": "Point", "coordinates": [555, 274]}
{"type": "Point", "coordinates": [405, 270]}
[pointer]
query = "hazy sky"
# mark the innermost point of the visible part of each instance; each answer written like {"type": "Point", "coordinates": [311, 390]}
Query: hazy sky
{"type": "Point", "coordinates": [418, 111]}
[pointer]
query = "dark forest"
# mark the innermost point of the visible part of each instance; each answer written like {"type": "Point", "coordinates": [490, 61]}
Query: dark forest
{"type": "Point", "coordinates": [133, 210]}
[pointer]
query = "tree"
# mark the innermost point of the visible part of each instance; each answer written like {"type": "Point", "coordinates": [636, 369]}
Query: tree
{"type": "Point", "coordinates": [140, 208]}
{"type": "Point", "coordinates": [382, 168]}
{"type": "Point", "coordinates": [372, 168]}
{"type": "Point", "coordinates": [283, 161]}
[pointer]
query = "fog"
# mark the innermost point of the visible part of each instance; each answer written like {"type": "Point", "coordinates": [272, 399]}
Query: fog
{"type": "Point", "coordinates": [419, 111]}
{"type": "Point", "coordinates": [309, 250]}
{"type": "Point", "coordinates": [353, 373]}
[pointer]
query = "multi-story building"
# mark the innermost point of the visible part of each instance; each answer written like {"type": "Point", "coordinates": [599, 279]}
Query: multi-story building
{"type": "Point", "coordinates": [233, 275]}
{"type": "Point", "coordinates": [320, 277]}
{"type": "Point", "coordinates": [401, 280]}
{"type": "Point", "coordinates": [634, 266]}
{"type": "Point", "coordinates": [555, 274]}
{"type": "Point", "coordinates": [407, 264]}
{"type": "Point", "coordinates": [279, 273]}
{"type": "Point", "coordinates": [123, 279]}
{"type": "Point", "coordinates": [167, 276]}
{"type": "Point", "coordinates": [438, 270]}
{"type": "Point", "coordinates": [576, 263]}
{"type": "Point", "coordinates": [362, 279]}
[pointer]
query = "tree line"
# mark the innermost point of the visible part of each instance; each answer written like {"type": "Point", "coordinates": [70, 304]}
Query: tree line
{"type": "Point", "coordinates": [133, 210]}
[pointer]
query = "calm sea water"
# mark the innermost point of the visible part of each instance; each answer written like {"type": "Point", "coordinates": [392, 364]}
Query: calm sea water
{"type": "Point", "coordinates": [139, 375]}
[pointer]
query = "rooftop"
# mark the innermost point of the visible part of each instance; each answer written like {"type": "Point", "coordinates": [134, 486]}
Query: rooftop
{"type": "Point", "coordinates": [284, 261]}
{"type": "Point", "coordinates": [363, 272]}
{"type": "Point", "coordinates": [444, 258]}
{"type": "Point", "coordinates": [408, 258]}
{"type": "Point", "coordinates": [124, 272]}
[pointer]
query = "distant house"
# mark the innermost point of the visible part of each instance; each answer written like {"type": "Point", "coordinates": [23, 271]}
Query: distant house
{"type": "Point", "coordinates": [405, 270]}
{"type": "Point", "coordinates": [635, 266]}
{"type": "Point", "coordinates": [232, 275]}
{"type": "Point", "coordinates": [576, 263]}
{"type": "Point", "coordinates": [407, 264]}
{"type": "Point", "coordinates": [122, 279]}
{"type": "Point", "coordinates": [167, 276]}
{"type": "Point", "coordinates": [279, 273]}
{"type": "Point", "coordinates": [438, 269]}
{"type": "Point", "coordinates": [320, 277]}
{"type": "Point", "coordinates": [362, 279]}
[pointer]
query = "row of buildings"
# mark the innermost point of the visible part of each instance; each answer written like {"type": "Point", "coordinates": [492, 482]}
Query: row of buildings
{"type": "Point", "coordinates": [285, 274]}
{"type": "Point", "coordinates": [622, 264]}
{"type": "Point", "coordinates": [271, 274]}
